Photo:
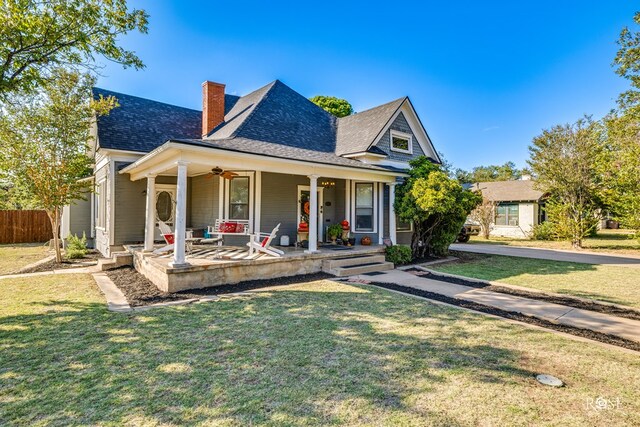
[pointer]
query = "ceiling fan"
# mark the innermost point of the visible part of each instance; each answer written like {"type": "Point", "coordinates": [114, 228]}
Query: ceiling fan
{"type": "Point", "coordinates": [217, 171]}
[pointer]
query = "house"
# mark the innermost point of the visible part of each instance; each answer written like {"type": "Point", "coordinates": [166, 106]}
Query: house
{"type": "Point", "coordinates": [266, 158]}
{"type": "Point", "coordinates": [519, 206]}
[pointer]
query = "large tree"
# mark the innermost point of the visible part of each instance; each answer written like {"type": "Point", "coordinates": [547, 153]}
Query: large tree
{"type": "Point", "coordinates": [505, 172]}
{"type": "Point", "coordinates": [336, 106]}
{"type": "Point", "coordinates": [44, 139]}
{"type": "Point", "coordinates": [436, 205]}
{"type": "Point", "coordinates": [623, 126]}
{"type": "Point", "coordinates": [38, 36]}
{"type": "Point", "coordinates": [567, 160]}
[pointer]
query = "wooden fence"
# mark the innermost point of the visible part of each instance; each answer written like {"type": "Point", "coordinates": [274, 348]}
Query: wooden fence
{"type": "Point", "coordinates": [24, 227]}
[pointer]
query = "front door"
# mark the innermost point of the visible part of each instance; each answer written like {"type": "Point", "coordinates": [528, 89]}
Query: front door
{"type": "Point", "coordinates": [303, 208]}
{"type": "Point", "coordinates": [165, 207]}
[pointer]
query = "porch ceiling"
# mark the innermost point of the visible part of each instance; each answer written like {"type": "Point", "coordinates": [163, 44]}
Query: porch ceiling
{"type": "Point", "coordinates": [163, 161]}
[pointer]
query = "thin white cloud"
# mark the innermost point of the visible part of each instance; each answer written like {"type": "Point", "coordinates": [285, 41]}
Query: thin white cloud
{"type": "Point", "coordinates": [490, 128]}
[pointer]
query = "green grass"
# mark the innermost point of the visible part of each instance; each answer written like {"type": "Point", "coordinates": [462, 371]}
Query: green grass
{"type": "Point", "coordinates": [619, 285]}
{"type": "Point", "coordinates": [620, 242]}
{"type": "Point", "coordinates": [15, 257]}
{"type": "Point", "coordinates": [317, 353]}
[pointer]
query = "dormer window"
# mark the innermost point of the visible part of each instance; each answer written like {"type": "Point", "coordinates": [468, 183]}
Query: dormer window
{"type": "Point", "coordinates": [401, 142]}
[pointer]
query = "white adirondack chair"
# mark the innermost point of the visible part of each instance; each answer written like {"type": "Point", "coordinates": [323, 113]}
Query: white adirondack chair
{"type": "Point", "coordinates": [264, 246]}
{"type": "Point", "coordinates": [168, 237]}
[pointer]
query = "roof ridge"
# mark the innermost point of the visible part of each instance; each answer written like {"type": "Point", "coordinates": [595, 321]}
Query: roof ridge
{"type": "Point", "coordinates": [270, 87]}
{"type": "Point", "coordinates": [144, 99]}
{"type": "Point", "coordinates": [403, 98]}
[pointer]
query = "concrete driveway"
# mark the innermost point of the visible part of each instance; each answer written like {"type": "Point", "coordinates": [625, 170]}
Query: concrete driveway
{"type": "Point", "coordinates": [550, 254]}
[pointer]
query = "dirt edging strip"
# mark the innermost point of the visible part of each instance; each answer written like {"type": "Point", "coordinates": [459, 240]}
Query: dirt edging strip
{"type": "Point", "coordinates": [570, 301]}
{"type": "Point", "coordinates": [512, 315]}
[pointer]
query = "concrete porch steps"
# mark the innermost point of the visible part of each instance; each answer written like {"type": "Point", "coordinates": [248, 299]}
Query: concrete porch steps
{"type": "Point", "coordinates": [118, 259]}
{"type": "Point", "coordinates": [351, 266]}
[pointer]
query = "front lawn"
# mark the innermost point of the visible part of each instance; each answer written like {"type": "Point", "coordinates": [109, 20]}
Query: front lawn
{"type": "Point", "coordinates": [619, 242]}
{"type": "Point", "coordinates": [15, 257]}
{"type": "Point", "coordinates": [619, 285]}
{"type": "Point", "coordinates": [308, 354]}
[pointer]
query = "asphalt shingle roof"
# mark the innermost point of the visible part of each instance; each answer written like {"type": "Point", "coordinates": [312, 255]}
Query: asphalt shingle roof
{"type": "Point", "coordinates": [278, 114]}
{"type": "Point", "coordinates": [357, 131]}
{"type": "Point", "coordinates": [509, 191]}
{"type": "Point", "coordinates": [274, 120]}
{"type": "Point", "coordinates": [140, 124]}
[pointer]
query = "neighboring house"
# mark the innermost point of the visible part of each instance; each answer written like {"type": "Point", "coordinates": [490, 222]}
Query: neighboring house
{"type": "Point", "coordinates": [155, 161]}
{"type": "Point", "coordinates": [519, 206]}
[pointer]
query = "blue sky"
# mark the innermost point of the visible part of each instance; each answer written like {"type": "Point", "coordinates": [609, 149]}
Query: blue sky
{"type": "Point", "coordinates": [485, 77]}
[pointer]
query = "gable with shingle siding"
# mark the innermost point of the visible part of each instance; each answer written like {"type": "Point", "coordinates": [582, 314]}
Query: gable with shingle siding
{"type": "Point", "coordinates": [400, 124]}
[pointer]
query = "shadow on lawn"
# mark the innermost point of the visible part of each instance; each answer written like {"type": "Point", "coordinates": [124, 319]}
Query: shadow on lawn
{"type": "Point", "coordinates": [286, 357]}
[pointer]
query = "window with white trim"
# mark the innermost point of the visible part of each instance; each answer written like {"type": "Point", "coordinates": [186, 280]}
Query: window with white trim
{"type": "Point", "coordinates": [507, 214]}
{"type": "Point", "coordinates": [238, 198]}
{"type": "Point", "coordinates": [364, 204]}
{"type": "Point", "coordinates": [101, 204]}
{"type": "Point", "coordinates": [401, 142]}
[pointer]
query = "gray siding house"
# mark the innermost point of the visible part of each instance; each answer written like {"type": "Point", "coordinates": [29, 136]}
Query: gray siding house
{"type": "Point", "coordinates": [155, 161]}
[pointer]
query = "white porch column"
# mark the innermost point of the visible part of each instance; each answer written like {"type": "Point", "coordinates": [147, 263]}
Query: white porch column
{"type": "Point", "coordinates": [258, 203]}
{"type": "Point", "coordinates": [347, 200]}
{"type": "Point", "coordinates": [150, 224]}
{"type": "Point", "coordinates": [380, 186]}
{"type": "Point", "coordinates": [313, 214]}
{"type": "Point", "coordinates": [181, 217]}
{"type": "Point", "coordinates": [392, 212]}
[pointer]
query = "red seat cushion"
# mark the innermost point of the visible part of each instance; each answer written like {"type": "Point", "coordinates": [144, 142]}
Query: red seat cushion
{"type": "Point", "coordinates": [169, 238]}
{"type": "Point", "coordinates": [239, 228]}
{"type": "Point", "coordinates": [228, 227]}
{"type": "Point", "coordinates": [264, 241]}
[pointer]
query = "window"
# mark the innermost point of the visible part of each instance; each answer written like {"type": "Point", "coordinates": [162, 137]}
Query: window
{"type": "Point", "coordinates": [239, 198]}
{"type": "Point", "coordinates": [403, 226]}
{"type": "Point", "coordinates": [401, 142]}
{"type": "Point", "coordinates": [507, 214]}
{"type": "Point", "coordinates": [364, 206]}
{"type": "Point", "coordinates": [101, 204]}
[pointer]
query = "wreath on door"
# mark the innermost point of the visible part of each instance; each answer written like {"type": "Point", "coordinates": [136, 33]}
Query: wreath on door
{"type": "Point", "coordinates": [306, 208]}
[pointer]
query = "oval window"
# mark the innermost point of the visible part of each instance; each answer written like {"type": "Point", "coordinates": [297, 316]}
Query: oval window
{"type": "Point", "coordinates": [164, 206]}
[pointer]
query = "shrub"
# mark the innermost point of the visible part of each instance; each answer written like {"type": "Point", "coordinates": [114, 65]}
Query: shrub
{"type": "Point", "coordinates": [75, 253]}
{"type": "Point", "coordinates": [544, 231]}
{"type": "Point", "coordinates": [334, 230]}
{"type": "Point", "coordinates": [398, 254]}
{"type": "Point", "coordinates": [76, 246]}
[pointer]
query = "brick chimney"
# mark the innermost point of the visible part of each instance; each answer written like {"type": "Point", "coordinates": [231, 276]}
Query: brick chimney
{"type": "Point", "coordinates": [212, 106]}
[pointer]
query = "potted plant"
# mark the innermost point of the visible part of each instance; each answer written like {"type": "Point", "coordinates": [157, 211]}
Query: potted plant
{"type": "Point", "coordinates": [333, 232]}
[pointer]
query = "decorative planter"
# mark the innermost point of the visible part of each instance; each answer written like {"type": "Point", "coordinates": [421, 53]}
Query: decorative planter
{"type": "Point", "coordinates": [365, 241]}
{"type": "Point", "coordinates": [351, 241]}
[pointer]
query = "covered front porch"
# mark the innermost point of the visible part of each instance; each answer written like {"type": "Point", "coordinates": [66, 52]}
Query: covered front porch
{"type": "Point", "coordinates": [213, 186]}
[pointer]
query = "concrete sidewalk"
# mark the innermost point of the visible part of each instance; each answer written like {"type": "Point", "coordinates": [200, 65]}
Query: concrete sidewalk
{"type": "Point", "coordinates": [549, 254]}
{"type": "Point", "coordinates": [561, 314]}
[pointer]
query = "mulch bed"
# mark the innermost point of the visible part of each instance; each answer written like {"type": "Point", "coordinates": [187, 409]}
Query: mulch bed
{"type": "Point", "coordinates": [139, 291]}
{"type": "Point", "coordinates": [563, 300]}
{"type": "Point", "coordinates": [585, 333]}
{"type": "Point", "coordinates": [89, 260]}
